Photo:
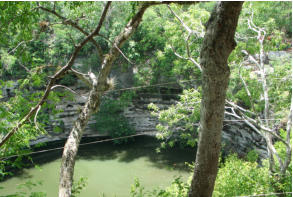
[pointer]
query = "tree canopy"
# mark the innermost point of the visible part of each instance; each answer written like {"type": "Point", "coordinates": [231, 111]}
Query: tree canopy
{"type": "Point", "coordinates": [46, 48]}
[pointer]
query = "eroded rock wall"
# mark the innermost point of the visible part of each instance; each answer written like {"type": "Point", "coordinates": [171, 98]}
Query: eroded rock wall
{"type": "Point", "coordinates": [237, 137]}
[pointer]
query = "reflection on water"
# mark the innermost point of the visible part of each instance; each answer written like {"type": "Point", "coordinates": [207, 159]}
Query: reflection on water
{"type": "Point", "coordinates": [110, 169]}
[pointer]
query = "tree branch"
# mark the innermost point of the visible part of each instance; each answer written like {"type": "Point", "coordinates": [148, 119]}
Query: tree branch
{"type": "Point", "coordinates": [246, 88]}
{"type": "Point", "coordinates": [67, 88]}
{"type": "Point", "coordinates": [288, 138]}
{"type": "Point", "coordinates": [190, 32]}
{"type": "Point", "coordinates": [76, 26]}
{"type": "Point", "coordinates": [174, 51]}
{"type": "Point", "coordinates": [83, 77]}
{"type": "Point", "coordinates": [238, 107]}
{"type": "Point", "coordinates": [35, 118]}
{"type": "Point", "coordinates": [56, 76]}
{"type": "Point", "coordinates": [99, 86]}
{"type": "Point", "coordinates": [123, 55]}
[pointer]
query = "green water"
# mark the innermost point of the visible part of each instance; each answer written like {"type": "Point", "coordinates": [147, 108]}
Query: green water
{"type": "Point", "coordinates": [110, 169]}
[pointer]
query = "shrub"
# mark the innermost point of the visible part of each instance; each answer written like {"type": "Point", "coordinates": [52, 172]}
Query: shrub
{"type": "Point", "coordinates": [177, 124]}
{"type": "Point", "coordinates": [237, 177]}
{"type": "Point", "coordinates": [177, 189]}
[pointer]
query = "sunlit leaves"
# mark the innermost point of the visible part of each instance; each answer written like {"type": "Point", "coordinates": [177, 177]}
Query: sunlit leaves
{"type": "Point", "coordinates": [237, 177]}
{"type": "Point", "coordinates": [178, 122]}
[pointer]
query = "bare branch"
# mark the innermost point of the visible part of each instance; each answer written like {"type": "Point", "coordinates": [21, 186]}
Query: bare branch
{"type": "Point", "coordinates": [288, 138]}
{"type": "Point", "coordinates": [14, 49]}
{"type": "Point", "coordinates": [195, 63]}
{"type": "Point", "coordinates": [255, 123]}
{"type": "Point", "coordinates": [181, 57]}
{"type": "Point", "coordinates": [251, 58]}
{"type": "Point", "coordinates": [246, 121]}
{"type": "Point", "coordinates": [181, 21]}
{"type": "Point", "coordinates": [67, 88]}
{"type": "Point", "coordinates": [97, 30]}
{"type": "Point", "coordinates": [35, 118]}
{"type": "Point", "coordinates": [289, 123]}
{"type": "Point", "coordinates": [83, 77]}
{"type": "Point", "coordinates": [185, 58]}
{"type": "Point", "coordinates": [187, 45]}
{"type": "Point", "coordinates": [251, 122]}
{"type": "Point", "coordinates": [238, 107]}
{"type": "Point", "coordinates": [190, 32]}
{"type": "Point", "coordinates": [246, 88]}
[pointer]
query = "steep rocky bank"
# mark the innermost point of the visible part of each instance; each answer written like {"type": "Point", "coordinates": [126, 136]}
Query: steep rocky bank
{"type": "Point", "coordinates": [237, 137]}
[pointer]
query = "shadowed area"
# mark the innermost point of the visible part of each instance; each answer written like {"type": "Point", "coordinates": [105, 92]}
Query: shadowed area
{"type": "Point", "coordinates": [110, 168]}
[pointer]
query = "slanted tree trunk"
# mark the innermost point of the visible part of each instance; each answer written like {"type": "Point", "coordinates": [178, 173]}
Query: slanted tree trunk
{"type": "Point", "coordinates": [217, 46]}
{"type": "Point", "coordinates": [99, 86]}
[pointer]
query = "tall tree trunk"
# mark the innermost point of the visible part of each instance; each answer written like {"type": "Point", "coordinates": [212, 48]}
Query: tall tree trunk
{"type": "Point", "coordinates": [99, 86]}
{"type": "Point", "coordinates": [217, 46]}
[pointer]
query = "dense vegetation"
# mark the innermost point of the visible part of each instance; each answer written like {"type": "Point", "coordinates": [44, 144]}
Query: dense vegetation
{"type": "Point", "coordinates": [36, 42]}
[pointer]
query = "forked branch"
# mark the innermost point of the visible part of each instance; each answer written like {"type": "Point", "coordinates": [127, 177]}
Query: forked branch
{"type": "Point", "coordinates": [54, 78]}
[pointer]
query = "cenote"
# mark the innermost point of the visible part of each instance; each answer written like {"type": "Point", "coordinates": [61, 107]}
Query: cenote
{"type": "Point", "coordinates": [110, 169]}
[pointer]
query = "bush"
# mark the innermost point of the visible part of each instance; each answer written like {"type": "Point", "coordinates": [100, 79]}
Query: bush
{"type": "Point", "coordinates": [177, 124]}
{"type": "Point", "coordinates": [177, 189]}
{"type": "Point", "coordinates": [237, 177]}
{"type": "Point", "coordinates": [282, 183]}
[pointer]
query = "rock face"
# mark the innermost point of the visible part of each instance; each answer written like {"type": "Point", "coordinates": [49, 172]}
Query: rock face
{"type": "Point", "coordinates": [139, 116]}
{"type": "Point", "coordinates": [237, 137]}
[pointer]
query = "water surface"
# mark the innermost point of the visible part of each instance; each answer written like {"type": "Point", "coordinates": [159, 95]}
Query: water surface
{"type": "Point", "coordinates": [110, 169]}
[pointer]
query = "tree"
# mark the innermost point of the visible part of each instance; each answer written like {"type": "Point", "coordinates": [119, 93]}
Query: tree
{"type": "Point", "coordinates": [259, 115]}
{"type": "Point", "coordinates": [98, 85]}
{"type": "Point", "coordinates": [217, 45]}
{"type": "Point", "coordinates": [245, 94]}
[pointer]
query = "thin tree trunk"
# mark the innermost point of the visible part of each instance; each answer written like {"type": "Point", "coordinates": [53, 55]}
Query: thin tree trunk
{"type": "Point", "coordinates": [268, 136]}
{"type": "Point", "coordinates": [99, 86]}
{"type": "Point", "coordinates": [217, 46]}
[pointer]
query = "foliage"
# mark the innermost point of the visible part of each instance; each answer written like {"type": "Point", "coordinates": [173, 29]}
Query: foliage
{"type": "Point", "coordinates": [237, 92]}
{"type": "Point", "coordinates": [25, 96]}
{"type": "Point", "coordinates": [78, 186]}
{"type": "Point", "coordinates": [276, 11]}
{"type": "Point", "coordinates": [177, 123]}
{"type": "Point", "coordinates": [237, 177]}
{"type": "Point", "coordinates": [177, 189]}
{"type": "Point", "coordinates": [68, 80]}
{"type": "Point", "coordinates": [30, 54]}
{"type": "Point", "coordinates": [156, 39]}
{"type": "Point", "coordinates": [25, 190]}
{"type": "Point", "coordinates": [111, 121]}
{"type": "Point", "coordinates": [280, 90]}
{"type": "Point", "coordinates": [283, 183]}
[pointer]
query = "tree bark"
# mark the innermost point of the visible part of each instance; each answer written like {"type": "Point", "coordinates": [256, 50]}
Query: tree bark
{"type": "Point", "coordinates": [217, 46]}
{"type": "Point", "coordinates": [99, 86]}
